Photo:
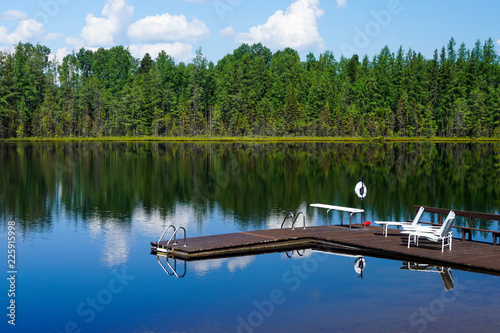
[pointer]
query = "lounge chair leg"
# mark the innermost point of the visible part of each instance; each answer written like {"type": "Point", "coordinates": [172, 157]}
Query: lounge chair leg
{"type": "Point", "coordinates": [409, 237]}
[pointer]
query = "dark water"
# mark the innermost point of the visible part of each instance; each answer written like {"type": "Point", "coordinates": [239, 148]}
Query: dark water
{"type": "Point", "coordinates": [86, 212]}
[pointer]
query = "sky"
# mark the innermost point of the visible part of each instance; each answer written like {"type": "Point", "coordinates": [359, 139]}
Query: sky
{"type": "Point", "coordinates": [180, 27]}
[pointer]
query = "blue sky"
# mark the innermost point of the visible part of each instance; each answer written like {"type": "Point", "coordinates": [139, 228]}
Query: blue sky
{"type": "Point", "coordinates": [180, 27]}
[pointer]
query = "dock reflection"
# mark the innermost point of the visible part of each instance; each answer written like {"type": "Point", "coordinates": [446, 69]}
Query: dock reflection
{"type": "Point", "coordinates": [172, 268]}
{"type": "Point", "coordinates": [444, 272]}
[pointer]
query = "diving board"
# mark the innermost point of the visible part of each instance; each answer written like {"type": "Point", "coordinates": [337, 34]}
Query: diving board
{"type": "Point", "coordinates": [341, 209]}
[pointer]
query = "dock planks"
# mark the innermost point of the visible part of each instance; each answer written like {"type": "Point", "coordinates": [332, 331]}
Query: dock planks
{"type": "Point", "coordinates": [466, 255]}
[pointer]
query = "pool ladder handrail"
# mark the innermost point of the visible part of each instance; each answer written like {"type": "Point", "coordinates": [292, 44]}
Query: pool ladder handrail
{"type": "Point", "coordinates": [174, 237]}
{"type": "Point", "coordinates": [303, 220]}
{"type": "Point", "coordinates": [294, 219]}
{"type": "Point", "coordinates": [286, 216]}
{"type": "Point", "coordinates": [161, 237]}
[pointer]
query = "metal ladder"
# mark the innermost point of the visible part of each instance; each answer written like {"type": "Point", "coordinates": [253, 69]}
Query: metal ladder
{"type": "Point", "coordinates": [294, 219]}
{"type": "Point", "coordinates": [174, 237]}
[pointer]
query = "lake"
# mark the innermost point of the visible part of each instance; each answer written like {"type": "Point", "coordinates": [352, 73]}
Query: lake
{"type": "Point", "coordinates": [85, 213]}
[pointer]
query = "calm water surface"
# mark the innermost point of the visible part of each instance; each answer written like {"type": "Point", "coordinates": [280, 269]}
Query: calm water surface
{"type": "Point", "coordinates": [86, 212]}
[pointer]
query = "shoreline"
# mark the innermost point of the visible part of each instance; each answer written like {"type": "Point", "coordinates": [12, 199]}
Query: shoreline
{"type": "Point", "coordinates": [255, 139]}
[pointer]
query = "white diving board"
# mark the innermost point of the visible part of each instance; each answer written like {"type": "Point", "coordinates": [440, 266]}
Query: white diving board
{"type": "Point", "coordinates": [341, 209]}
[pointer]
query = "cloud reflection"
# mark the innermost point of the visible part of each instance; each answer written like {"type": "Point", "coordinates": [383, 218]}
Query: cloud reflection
{"type": "Point", "coordinates": [275, 220]}
{"type": "Point", "coordinates": [297, 254]}
{"type": "Point", "coordinates": [116, 247]}
{"type": "Point", "coordinates": [153, 223]}
{"type": "Point", "coordinates": [233, 264]}
{"type": "Point", "coordinates": [239, 263]}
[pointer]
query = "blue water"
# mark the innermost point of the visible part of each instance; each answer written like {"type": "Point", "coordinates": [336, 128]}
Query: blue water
{"type": "Point", "coordinates": [86, 213]}
{"type": "Point", "coordinates": [100, 277]}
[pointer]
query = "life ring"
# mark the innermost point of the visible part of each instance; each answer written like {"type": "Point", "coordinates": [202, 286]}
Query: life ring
{"type": "Point", "coordinates": [359, 265]}
{"type": "Point", "coordinates": [360, 190]}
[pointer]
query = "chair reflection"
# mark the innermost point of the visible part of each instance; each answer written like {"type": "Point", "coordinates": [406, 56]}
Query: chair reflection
{"type": "Point", "coordinates": [173, 269]}
{"type": "Point", "coordinates": [444, 272]}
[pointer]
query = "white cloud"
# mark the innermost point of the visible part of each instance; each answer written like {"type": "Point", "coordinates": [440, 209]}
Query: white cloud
{"type": "Point", "coordinates": [297, 27]}
{"type": "Point", "coordinates": [498, 41]}
{"type": "Point", "coordinates": [341, 3]}
{"type": "Point", "coordinates": [76, 42]}
{"type": "Point", "coordinates": [102, 31]}
{"type": "Point", "coordinates": [227, 32]}
{"type": "Point", "coordinates": [166, 27]}
{"type": "Point", "coordinates": [13, 15]}
{"type": "Point", "coordinates": [106, 31]}
{"type": "Point", "coordinates": [61, 53]}
{"type": "Point", "coordinates": [53, 36]}
{"type": "Point", "coordinates": [27, 30]}
{"type": "Point", "coordinates": [179, 51]}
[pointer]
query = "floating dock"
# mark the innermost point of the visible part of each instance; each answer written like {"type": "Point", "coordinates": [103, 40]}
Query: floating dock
{"type": "Point", "coordinates": [465, 255]}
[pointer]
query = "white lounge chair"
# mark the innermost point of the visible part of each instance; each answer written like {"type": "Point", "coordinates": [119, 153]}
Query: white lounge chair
{"type": "Point", "coordinates": [443, 233]}
{"type": "Point", "coordinates": [385, 224]}
{"type": "Point", "coordinates": [428, 228]}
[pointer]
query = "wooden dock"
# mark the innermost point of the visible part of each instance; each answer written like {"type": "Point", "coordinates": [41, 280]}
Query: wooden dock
{"type": "Point", "coordinates": [465, 255]}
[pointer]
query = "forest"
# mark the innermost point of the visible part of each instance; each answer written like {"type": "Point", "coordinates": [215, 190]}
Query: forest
{"type": "Point", "coordinates": [109, 182]}
{"type": "Point", "coordinates": [251, 92]}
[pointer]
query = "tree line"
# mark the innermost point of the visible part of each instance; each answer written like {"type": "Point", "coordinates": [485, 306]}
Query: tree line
{"type": "Point", "coordinates": [84, 180]}
{"type": "Point", "coordinates": [251, 91]}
